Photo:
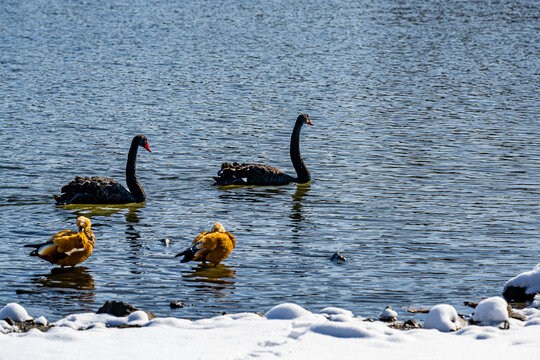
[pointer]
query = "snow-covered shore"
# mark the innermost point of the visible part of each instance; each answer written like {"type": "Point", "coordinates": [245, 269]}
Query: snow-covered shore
{"type": "Point", "coordinates": [286, 331]}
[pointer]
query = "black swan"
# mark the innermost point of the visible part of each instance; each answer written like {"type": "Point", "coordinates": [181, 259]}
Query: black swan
{"type": "Point", "coordinates": [98, 190]}
{"type": "Point", "coordinates": [258, 174]}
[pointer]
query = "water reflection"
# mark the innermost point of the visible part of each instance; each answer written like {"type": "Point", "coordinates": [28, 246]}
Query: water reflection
{"type": "Point", "coordinates": [132, 234]}
{"type": "Point", "coordinates": [91, 211]}
{"type": "Point", "coordinates": [77, 278]}
{"type": "Point", "coordinates": [252, 194]}
{"type": "Point", "coordinates": [69, 285]}
{"type": "Point", "coordinates": [132, 215]}
{"type": "Point", "coordinates": [208, 276]}
{"type": "Point", "coordinates": [297, 216]}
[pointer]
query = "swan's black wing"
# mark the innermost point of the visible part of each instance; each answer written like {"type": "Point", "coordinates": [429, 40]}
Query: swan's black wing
{"type": "Point", "coordinates": [94, 190]}
{"type": "Point", "coordinates": [250, 174]}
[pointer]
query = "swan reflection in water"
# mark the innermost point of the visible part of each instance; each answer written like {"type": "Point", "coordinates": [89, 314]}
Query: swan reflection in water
{"type": "Point", "coordinates": [208, 276]}
{"type": "Point", "coordinates": [73, 288]}
{"type": "Point", "coordinates": [297, 216]}
{"type": "Point", "coordinates": [249, 194]}
{"type": "Point", "coordinates": [133, 235]}
{"type": "Point", "coordinates": [106, 210]}
{"type": "Point", "coordinates": [132, 218]}
{"type": "Point", "coordinates": [132, 215]}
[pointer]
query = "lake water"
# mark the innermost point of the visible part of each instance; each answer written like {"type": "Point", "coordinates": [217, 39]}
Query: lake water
{"type": "Point", "coordinates": [424, 155]}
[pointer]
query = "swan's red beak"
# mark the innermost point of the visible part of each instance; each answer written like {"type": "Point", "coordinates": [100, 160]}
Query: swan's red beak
{"type": "Point", "coordinates": [147, 147]}
{"type": "Point", "coordinates": [309, 121]}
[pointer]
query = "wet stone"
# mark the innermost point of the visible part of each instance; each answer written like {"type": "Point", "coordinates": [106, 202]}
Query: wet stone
{"type": "Point", "coordinates": [120, 309]}
{"type": "Point", "coordinates": [24, 326]}
{"type": "Point", "coordinates": [411, 324]}
{"type": "Point", "coordinates": [517, 294]}
{"type": "Point", "coordinates": [176, 304]}
{"type": "Point", "coordinates": [338, 257]}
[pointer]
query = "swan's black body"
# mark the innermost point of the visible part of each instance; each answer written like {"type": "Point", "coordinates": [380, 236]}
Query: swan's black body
{"type": "Point", "coordinates": [98, 190]}
{"type": "Point", "coordinates": [258, 174]}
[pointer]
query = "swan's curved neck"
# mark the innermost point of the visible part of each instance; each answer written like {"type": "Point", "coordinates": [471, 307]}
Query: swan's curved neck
{"type": "Point", "coordinates": [131, 173]}
{"type": "Point", "coordinates": [303, 175]}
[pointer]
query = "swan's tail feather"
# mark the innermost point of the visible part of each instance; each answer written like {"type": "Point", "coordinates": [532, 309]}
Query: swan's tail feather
{"type": "Point", "coordinates": [217, 181]}
{"type": "Point", "coordinates": [66, 199]}
{"type": "Point", "coordinates": [226, 175]}
{"type": "Point", "coordinates": [251, 174]}
{"type": "Point", "coordinates": [60, 200]}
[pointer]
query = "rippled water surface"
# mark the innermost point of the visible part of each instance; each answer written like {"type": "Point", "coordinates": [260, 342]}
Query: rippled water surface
{"type": "Point", "coordinates": [424, 154]}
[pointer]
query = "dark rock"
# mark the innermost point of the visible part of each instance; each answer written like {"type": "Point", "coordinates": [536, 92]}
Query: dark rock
{"type": "Point", "coordinates": [338, 257]}
{"type": "Point", "coordinates": [27, 325]}
{"type": "Point", "coordinates": [471, 304]}
{"type": "Point", "coordinates": [125, 326]}
{"type": "Point", "coordinates": [517, 316]}
{"type": "Point", "coordinates": [117, 308]}
{"type": "Point", "coordinates": [407, 325]}
{"type": "Point", "coordinates": [24, 326]}
{"type": "Point", "coordinates": [120, 309]}
{"type": "Point", "coordinates": [411, 324]}
{"type": "Point", "coordinates": [520, 304]}
{"type": "Point", "coordinates": [417, 311]}
{"type": "Point", "coordinates": [517, 294]}
{"type": "Point", "coordinates": [176, 304]}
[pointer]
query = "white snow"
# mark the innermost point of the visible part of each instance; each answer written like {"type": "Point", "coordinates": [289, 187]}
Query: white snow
{"type": "Point", "coordinates": [443, 317]}
{"type": "Point", "coordinates": [286, 311]}
{"type": "Point", "coordinates": [5, 327]}
{"type": "Point", "coordinates": [491, 311]}
{"type": "Point", "coordinates": [15, 312]}
{"type": "Point", "coordinates": [42, 320]}
{"type": "Point", "coordinates": [336, 311]}
{"type": "Point", "coordinates": [336, 314]}
{"type": "Point", "coordinates": [530, 280]}
{"type": "Point", "coordinates": [388, 314]}
{"type": "Point", "coordinates": [536, 302]}
{"type": "Point", "coordinates": [90, 320]}
{"type": "Point", "coordinates": [137, 318]}
{"type": "Point", "coordinates": [341, 330]}
{"type": "Point", "coordinates": [288, 331]}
